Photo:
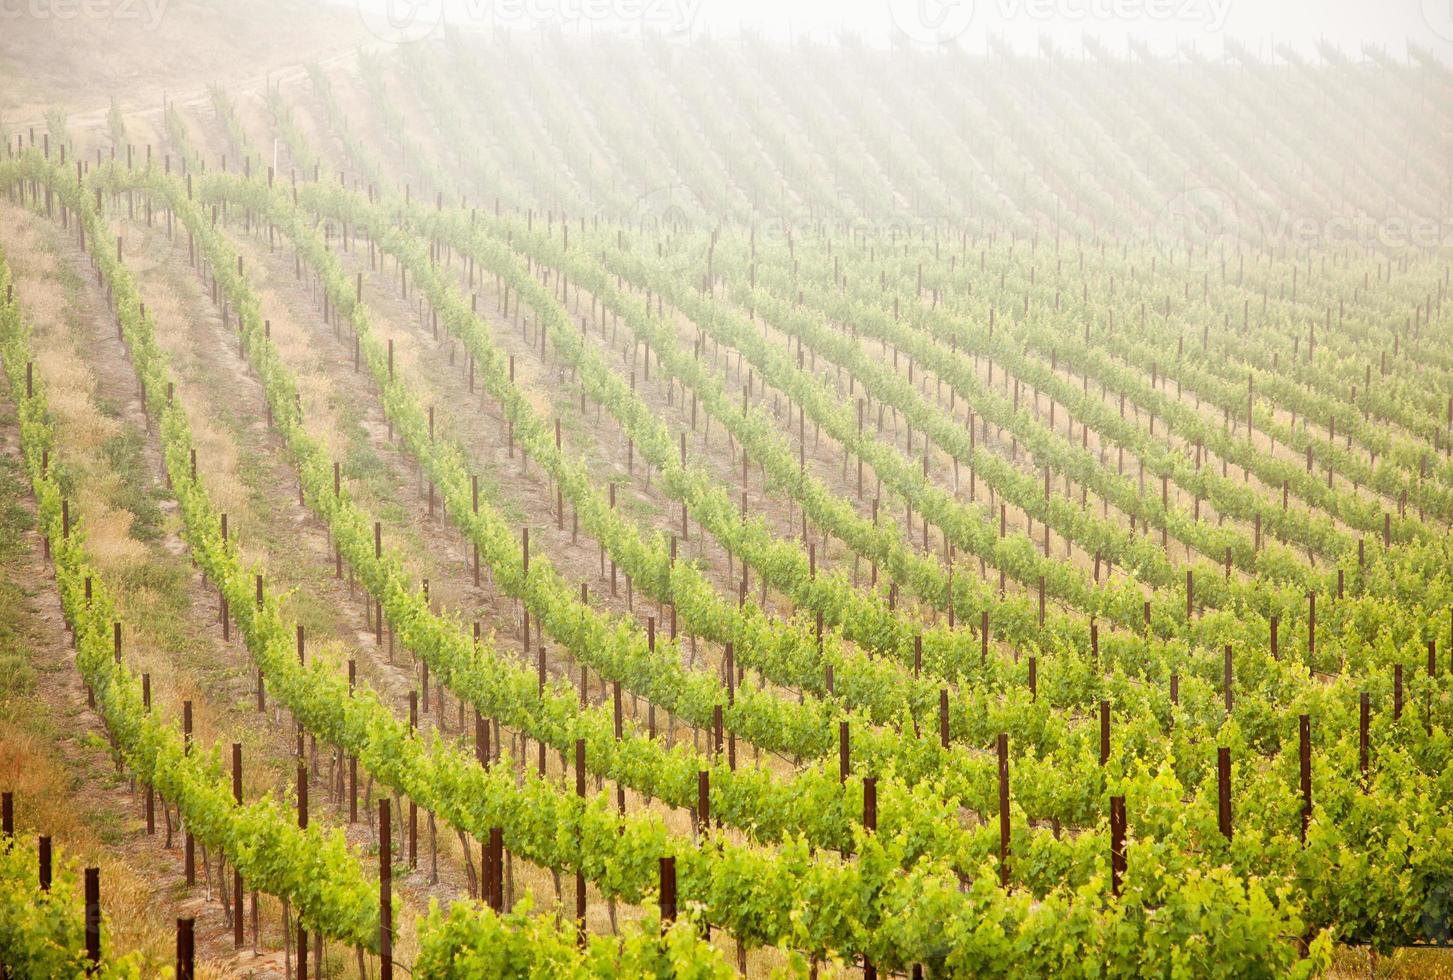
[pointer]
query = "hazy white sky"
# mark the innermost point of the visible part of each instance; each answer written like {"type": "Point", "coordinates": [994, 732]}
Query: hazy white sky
{"type": "Point", "coordinates": [1163, 24]}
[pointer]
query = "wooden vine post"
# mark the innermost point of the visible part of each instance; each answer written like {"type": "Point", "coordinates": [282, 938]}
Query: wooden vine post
{"type": "Point", "coordinates": [413, 806]}
{"type": "Point", "coordinates": [943, 729]}
{"type": "Point", "coordinates": [385, 893]}
{"type": "Point", "coordinates": [668, 892]}
{"type": "Point", "coordinates": [1304, 751]}
{"type": "Point", "coordinates": [43, 854]}
{"type": "Point", "coordinates": [93, 916]}
{"type": "Point", "coordinates": [303, 825]}
{"type": "Point", "coordinates": [1002, 746]}
{"type": "Point", "coordinates": [189, 843]}
{"type": "Point", "coordinates": [1223, 791]}
{"type": "Point", "coordinates": [236, 874]}
{"type": "Point", "coordinates": [1104, 732]}
{"type": "Point", "coordinates": [1117, 844]}
{"type": "Point", "coordinates": [1364, 712]}
{"type": "Point", "coordinates": [352, 759]}
{"type": "Point", "coordinates": [580, 909]}
{"type": "Point", "coordinates": [150, 791]}
{"type": "Point", "coordinates": [186, 950]}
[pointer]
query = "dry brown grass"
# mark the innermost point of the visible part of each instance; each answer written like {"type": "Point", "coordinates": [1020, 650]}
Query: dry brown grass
{"type": "Point", "coordinates": [108, 534]}
{"type": "Point", "coordinates": [1404, 964]}
{"type": "Point", "coordinates": [60, 790]}
{"type": "Point", "coordinates": [316, 390]}
{"type": "Point", "coordinates": [71, 391]}
{"type": "Point", "coordinates": [217, 457]}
